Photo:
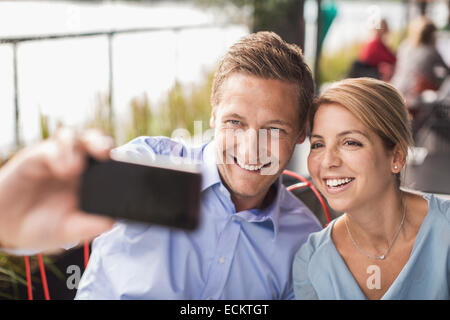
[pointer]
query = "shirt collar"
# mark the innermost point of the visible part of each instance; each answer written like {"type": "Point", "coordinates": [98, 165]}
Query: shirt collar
{"type": "Point", "coordinates": [211, 177]}
{"type": "Point", "coordinates": [210, 173]}
{"type": "Point", "coordinates": [270, 214]}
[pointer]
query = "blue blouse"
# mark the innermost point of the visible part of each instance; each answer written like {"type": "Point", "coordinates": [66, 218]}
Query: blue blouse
{"type": "Point", "coordinates": [319, 271]}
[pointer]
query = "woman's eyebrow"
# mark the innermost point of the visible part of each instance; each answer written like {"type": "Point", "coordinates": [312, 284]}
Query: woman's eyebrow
{"type": "Point", "coordinates": [343, 133]}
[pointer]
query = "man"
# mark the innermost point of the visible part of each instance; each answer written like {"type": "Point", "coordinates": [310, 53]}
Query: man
{"type": "Point", "coordinates": [251, 226]}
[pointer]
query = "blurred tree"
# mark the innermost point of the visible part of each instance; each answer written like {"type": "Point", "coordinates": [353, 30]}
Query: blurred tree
{"type": "Point", "coordinates": [285, 17]}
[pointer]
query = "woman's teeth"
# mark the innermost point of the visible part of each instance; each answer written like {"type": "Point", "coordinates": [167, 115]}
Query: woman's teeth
{"type": "Point", "coordinates": [338, 182]}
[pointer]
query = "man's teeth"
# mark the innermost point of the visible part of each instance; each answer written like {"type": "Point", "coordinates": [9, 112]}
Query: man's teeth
{"type": "Point", "coordinates": [249, 167]}
{"type": "Point", "coordinates": [337, 182]}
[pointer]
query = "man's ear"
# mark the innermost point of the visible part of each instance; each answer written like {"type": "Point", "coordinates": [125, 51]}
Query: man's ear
{"type": "Point", "coordinates": [301, 137]}
{"type": "Point", "coordinates": [212, 119]}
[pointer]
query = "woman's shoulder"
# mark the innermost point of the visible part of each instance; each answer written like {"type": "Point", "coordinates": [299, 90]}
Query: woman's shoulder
{"type": "Point", "coordinates": [439, 207]}
{"type": "Point", "coordinates": [316, 243]}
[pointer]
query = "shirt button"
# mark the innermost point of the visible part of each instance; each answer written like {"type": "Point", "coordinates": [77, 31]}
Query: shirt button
{"type": "Point", "coordinates": [233, 218]}
{"type": "Point", "coordinates": [221, 260]}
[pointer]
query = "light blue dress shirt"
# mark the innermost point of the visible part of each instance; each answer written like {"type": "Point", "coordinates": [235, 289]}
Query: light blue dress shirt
{"type": "Point", "coordinates": [232, 255]}
{"type": "Point", "coordinates": [321, 273]}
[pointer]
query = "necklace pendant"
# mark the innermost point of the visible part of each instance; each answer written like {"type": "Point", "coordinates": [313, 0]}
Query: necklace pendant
{"type": "Point", "coordinates": [381, 257]}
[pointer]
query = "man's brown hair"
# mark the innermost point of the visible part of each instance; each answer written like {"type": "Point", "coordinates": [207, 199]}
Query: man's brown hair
{"type": "Point", "coordinates": [264, 54]}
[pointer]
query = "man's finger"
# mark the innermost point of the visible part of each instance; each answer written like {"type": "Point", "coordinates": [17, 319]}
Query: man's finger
{"type": "Point", "coordinates": [80, 226]}
{"type": "Point", "coordinates": [97, 144]}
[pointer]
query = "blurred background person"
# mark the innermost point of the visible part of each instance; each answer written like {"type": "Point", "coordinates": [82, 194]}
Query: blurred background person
{"type": "Point", "coordinates": [375, 59]}
{"type": "Point", "coordinates": [420, 67]}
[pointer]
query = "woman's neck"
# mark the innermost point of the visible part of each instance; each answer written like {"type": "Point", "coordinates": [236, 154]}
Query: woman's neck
{"type": "Point", "coordinates": [374, 225]}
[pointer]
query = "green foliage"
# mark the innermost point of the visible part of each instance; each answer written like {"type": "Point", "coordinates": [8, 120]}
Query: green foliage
{"type": "Point", "coordinates": [334, 66]}
{"type": "Point", "coordinates": [182, 106]}
{"type": "Point", "coordinates": [45, 132]}
{"type": "Point", "coordinates": [12, 274]}
{"type": "Point", "coordinates": [141, 118]}
{"type": "Point", "coordinates": [102, 116]}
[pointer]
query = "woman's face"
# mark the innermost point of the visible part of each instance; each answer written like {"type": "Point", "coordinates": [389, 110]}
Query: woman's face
{"type": "Point", "coordinates": [348, 161]}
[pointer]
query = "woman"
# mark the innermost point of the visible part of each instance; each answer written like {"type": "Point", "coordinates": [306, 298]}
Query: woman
{"type": "Point", "coordinates": [420, 67]}
{"type": "Point", "coordinates": [389, 244]}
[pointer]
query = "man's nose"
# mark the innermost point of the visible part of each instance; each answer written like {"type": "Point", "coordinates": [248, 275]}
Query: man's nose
{"type": "Point", "coordinates": [248, 146]}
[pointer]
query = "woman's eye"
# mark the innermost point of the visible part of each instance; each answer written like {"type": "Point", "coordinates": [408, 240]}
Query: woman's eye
{"type": "Point", "coordinates": [316, 145]}
{"type": "Point", "coordinates": [352, 143]}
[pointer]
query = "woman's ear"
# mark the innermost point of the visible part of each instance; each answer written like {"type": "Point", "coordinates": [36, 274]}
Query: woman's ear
{"type": "Point", "coordinates": [398, 159]}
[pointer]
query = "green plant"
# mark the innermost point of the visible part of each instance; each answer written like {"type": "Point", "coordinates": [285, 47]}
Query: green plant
{"type": "Point", "coordinates": [182, 106]}
{"type": "Point", "coordinates": [102, 116]}
{"type": "Point", "coordinates": [141, 118]}
{"type": "Point", "coordinates": [334, 66]}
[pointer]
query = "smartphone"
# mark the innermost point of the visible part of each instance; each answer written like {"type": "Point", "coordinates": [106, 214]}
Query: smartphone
{"type": "Point", "coordinates": [151, 194]}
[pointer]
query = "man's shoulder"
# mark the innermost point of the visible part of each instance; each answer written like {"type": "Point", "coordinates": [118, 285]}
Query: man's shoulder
{"type": "Point", "coordinates": [157, 144]}
{"type": "Point", "coordinates": [146, 147]}
{"type": "Point", "coordinates": [292, 208]}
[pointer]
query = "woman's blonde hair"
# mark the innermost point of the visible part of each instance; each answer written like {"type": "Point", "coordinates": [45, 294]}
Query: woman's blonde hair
{"type": "Point", "coordinates": [377, 104]}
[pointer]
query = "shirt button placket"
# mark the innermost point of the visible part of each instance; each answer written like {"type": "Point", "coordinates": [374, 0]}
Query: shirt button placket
{"type": "Point", "coordinates": [221, 266]}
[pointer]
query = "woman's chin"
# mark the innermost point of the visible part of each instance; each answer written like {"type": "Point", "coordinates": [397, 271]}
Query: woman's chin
{"type": "Point", "coordinates": [339, 205]}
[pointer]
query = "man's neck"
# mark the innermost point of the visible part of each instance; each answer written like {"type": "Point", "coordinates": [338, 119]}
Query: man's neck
{"type": "Point", "coordinates": [260, 201]}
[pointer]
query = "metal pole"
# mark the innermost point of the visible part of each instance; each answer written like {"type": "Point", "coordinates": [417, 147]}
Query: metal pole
{"type": "Point", "coordinates": [176, 33]}
{"type": "Point", "coordinates": [318, 46]}
{"type": "Point", "coordinates": [111, 78]}
{"type": "Point", "coordinates": [16, 98]}
{"type": "Point", "coordinates": [301, 41]}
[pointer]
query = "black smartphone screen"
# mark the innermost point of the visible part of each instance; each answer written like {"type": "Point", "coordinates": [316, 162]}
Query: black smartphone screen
{"type": "Point", "coordinates": [141, 193]}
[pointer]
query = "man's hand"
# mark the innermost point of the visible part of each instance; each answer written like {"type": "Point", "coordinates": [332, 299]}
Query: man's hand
{"type": "Point", "coordinates": [39, 193]}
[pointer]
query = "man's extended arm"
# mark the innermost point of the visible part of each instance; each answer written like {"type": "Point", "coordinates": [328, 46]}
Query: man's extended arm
{"type": "Point", "coordinates": [39, 196]}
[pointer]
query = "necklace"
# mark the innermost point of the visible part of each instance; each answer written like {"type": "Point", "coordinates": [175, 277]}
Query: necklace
{"type": "Point", "coordinates": [383, 256]}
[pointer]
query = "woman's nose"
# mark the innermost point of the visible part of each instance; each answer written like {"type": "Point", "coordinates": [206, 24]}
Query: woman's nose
{"type": "Point", "coordinates": [331, 158]}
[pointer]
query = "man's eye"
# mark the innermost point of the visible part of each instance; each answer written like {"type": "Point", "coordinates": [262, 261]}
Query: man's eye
{"type": "Point", "coordinates": [234, 122]}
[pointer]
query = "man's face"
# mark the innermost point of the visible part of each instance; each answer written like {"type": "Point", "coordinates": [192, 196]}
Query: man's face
{"type": "Point", "coordinates": [256, 129]}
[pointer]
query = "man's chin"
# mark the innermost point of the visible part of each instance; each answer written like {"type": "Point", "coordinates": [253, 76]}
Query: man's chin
{"type": "Point", "coordinates": [249, 191]}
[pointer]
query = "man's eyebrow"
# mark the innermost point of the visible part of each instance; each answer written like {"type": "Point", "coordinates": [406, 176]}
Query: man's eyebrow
{"type": "Point", "coordinates": [280, 122]}
{"type": "Point", "coordinates": [233, 115]}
